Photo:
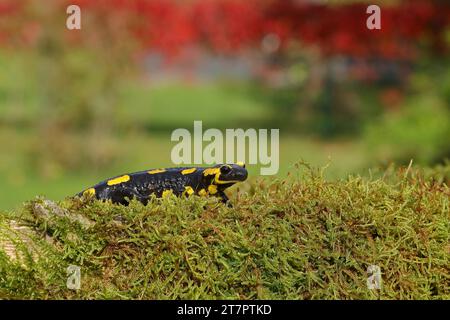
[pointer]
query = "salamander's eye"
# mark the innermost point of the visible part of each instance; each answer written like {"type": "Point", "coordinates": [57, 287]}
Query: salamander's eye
{"type": "Point", "coordinates": [225, 169]}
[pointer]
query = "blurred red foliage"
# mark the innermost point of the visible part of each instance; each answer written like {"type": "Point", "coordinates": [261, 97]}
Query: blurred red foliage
{"type": "Point", "coordinates": [228, 26]}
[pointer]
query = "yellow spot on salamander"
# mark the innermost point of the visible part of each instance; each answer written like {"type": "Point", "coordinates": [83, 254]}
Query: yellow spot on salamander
{"type": "Point", "coordinates": [211, 171]}
{"type": "Point", "coordinates": [188, 171]}
{"type": "Point", "coordinates": [167, 193]}
{"type": "Point", "coordinates": [89, 192]}
{"type": "Point", "coordinates": [202, 193]}
{"type": "Point", "coordinates": [188, 190]}
{"type": "Point", "coordinates": [218, 181]}
{"type": "Point", "coordinates": [240, 164]}
{"type": "Point", "coordinates": [156, 171]}
{"type": "Point", "coordinates": [119, 180]}
{"type": "Point", "coordinates": [212, 189]}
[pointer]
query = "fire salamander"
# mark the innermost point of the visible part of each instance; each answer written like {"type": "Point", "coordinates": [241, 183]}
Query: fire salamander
{"type": "Point", "coordinates": [163, 182]}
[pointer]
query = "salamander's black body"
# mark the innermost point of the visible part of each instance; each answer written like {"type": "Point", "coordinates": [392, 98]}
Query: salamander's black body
{"type": "Point", "coordinates": [162, 182]}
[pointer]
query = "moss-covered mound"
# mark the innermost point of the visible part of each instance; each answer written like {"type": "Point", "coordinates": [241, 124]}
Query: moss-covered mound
{"type": "Point", "coordinates": [303, 238]}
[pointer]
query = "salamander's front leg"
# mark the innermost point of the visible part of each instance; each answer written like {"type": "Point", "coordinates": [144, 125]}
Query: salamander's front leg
{"type": "Point", "coordinates": [124, 195]}
{"type": "Point", "coordinates": [225, 199]}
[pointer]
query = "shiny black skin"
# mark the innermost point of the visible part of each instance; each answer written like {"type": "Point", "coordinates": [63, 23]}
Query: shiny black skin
{"type": "Point", "coordinates": [142, 185]}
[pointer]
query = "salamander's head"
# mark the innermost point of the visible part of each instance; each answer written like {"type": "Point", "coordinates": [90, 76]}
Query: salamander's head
{"type": "Point", "coordinates": [227, 174]}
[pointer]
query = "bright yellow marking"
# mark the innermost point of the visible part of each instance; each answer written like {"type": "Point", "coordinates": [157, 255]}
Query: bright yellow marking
{"type": "Point", "coordinates": [188, 190]}
{"type": "Point", "coordinates": [119, 180]}
{"type": "Point", "coordinates": [156, 171]}
{"type": "Point", "coordinates": [218, 181]}
{"type": "Point", "coordinates": [216, 173]}
{"type": "Point", "coordinates": [89, 192]}
{"type": "Point", "coordinates": [211, 171]}
{"type": "Point", "coordinates": [241, 164]}
{"type": "Point", "coordinates": [188, 171]}
{"type": "Point", "coordinates": [167, 193]}
{"type": "Point", "coordinates": [202, 193]}
{"type": "Point", "coordinates": [212, 189]}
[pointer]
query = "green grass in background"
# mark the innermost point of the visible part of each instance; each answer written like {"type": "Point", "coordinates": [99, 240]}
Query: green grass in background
{"type": "Point", "coordinates": [175, 105]}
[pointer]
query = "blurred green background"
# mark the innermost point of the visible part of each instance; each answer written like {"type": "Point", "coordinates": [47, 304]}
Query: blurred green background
{"type": "Point", "coordinates": [79, 106]}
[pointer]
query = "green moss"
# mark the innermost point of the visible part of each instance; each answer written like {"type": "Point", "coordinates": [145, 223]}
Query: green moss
{"type": "Point", "coordinates": [303, 238]}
